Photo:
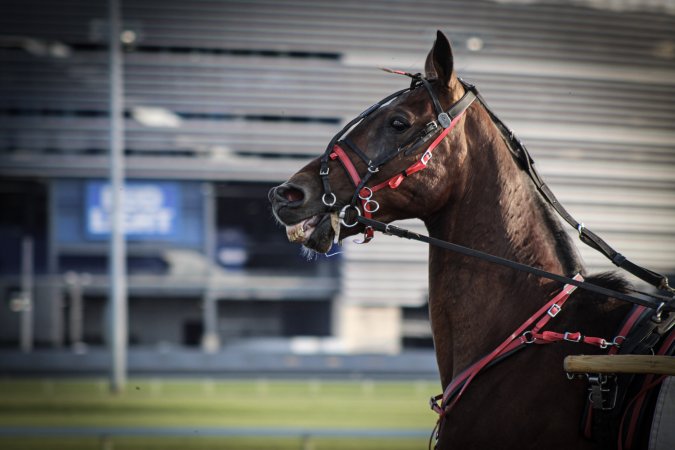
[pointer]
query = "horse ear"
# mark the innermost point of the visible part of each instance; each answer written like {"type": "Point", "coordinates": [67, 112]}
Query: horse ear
{"type": "Point", "coordinates": [439, 60]}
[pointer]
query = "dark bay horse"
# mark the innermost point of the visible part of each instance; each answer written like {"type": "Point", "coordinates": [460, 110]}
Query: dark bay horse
{"type": "Point", "coordinates": [472, 192]}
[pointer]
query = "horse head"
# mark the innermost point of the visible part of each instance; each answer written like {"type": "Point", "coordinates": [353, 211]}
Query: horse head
{"type": "Point", "coordinates": [373, 167]}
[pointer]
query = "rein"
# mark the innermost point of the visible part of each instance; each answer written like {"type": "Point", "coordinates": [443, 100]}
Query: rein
{"type": "Point", "coordinates": [663, 303]}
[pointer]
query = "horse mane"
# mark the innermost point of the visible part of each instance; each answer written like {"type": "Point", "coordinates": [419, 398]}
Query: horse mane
{"type": "Point", "coordinates": [610, 280]}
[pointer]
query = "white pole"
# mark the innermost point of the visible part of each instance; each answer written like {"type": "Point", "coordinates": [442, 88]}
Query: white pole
{"type": "Point", "coordinates": [117, 264]}
{"type": "Point", "coordinates": [210, 339]}
{"type": "Point", "coordinates": [26, 339]}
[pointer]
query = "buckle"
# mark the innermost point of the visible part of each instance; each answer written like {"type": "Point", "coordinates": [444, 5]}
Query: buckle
{"type": "Point", "coordinates": [435, 406]}
{"type": "Point", "coordinates": [431, 127]}
{"type": "Point", "coordinates": [425, 157]}
{"type": "Point", "coordinates": [324, 171]}
{"type": "Point", "coordinates": [567, 337]}
{"type": "Point", "coordinates": [603, 391]}
{"type": "Point", "coordinates": [554, 310]}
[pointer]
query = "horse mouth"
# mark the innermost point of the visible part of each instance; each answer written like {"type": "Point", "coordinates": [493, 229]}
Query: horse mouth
{"type": "Point", "coordinates": [315, 232]}
{"type": "Point", "coordinates": [301, 231]}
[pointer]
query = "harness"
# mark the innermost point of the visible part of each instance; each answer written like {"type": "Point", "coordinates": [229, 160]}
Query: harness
{"type": "Point", "coordinates": [650, 321]}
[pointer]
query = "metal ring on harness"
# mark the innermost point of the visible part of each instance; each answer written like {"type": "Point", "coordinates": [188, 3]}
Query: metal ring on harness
{"type": "Point", "coordinates": [366, 197]}
{"type": "Point", "coordinates": [371, 210]}
{"type": "Point", "coordinates": [618, 340]}
{"type": "Point", "coordinates": [527, 337]}
{"type": "Point", "coordinates": [329, 204]}
{"type": "Point", "coordinates": [343, 213]}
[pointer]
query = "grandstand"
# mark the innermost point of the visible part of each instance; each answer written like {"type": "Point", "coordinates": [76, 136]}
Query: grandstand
{"type": "Point", "coordinates": [224, 99]}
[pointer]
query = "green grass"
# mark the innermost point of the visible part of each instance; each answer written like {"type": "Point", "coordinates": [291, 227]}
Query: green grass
{"type": "Point", "coordinates": [211, 444]}
{"type": "Point", "coordinates": [358, 405]}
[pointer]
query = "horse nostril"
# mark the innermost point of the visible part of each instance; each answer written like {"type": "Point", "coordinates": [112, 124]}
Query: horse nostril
{"type": "Point", "coordinates": [288, 194]}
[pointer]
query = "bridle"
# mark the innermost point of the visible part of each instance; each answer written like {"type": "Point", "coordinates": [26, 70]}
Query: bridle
{"type": "Point", "coordinates": [444, 123]}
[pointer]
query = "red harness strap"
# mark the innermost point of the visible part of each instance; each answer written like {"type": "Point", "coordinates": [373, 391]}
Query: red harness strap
{"type": "Point", "coordinates": [520, 337]}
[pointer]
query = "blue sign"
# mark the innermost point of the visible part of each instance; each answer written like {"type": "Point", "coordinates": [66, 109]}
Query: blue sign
{"type": "Point", "coordinates": [151, 209]}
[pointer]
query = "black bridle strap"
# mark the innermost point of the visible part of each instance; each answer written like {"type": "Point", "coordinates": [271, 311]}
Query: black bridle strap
{"type": "Point", "coordinates": [664, 304]}
{"type": "Point", "coordinates": [434, 99]}
{"type": "Point", "coordinates": [328, 197]}
{"type": "Point", "coordinates": [356, 150]}
{"type": "Point", "coordinates": [520, 153]}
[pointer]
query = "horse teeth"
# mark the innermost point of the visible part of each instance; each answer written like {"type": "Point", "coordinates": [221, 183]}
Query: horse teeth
{"type": "Point", "coordinates": [295, 233]}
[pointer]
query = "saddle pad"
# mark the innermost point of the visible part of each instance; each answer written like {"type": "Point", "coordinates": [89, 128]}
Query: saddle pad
{"type": "Point", "coordinates": [662, 436]}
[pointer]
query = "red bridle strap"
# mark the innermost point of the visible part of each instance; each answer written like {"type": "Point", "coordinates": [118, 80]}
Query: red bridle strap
{"type": "Point", "coordinates": [339, 153]}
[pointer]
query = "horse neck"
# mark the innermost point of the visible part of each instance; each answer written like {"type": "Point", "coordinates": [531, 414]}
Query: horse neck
{"type": "Point", "coordinates": [495, 208]}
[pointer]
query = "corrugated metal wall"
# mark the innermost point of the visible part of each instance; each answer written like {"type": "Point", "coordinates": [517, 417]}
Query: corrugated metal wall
{"type": "Point", "coordinates": [260, 86]}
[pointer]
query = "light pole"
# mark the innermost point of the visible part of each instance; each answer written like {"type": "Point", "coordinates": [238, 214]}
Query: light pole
{"type": "Point", "coordinates": [117, 262]}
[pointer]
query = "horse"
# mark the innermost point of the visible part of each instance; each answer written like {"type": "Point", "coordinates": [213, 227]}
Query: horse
{"type": "Point", "coordinates": [473, 192]}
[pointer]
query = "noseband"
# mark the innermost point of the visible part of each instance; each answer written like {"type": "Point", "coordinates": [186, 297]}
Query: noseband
{"type": "Point", "coordinates": [444, 123]}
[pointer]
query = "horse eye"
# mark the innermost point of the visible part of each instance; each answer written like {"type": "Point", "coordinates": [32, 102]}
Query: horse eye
{"type": "Point", "coordinates": [399, 124]}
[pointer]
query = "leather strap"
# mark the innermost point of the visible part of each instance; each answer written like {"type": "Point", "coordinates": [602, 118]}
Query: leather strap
{"type": "Point", "coordinates": [654, 301]}
{"type": "Point", "coordinates": [521, 154]}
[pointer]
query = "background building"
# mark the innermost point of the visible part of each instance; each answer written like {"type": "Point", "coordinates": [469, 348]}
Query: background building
{"type": "Point", "coordinates": [224, 99]}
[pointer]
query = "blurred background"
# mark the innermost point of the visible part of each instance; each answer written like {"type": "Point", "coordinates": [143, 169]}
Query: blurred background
{"type": "Point", "coordinates": [223, 100]}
